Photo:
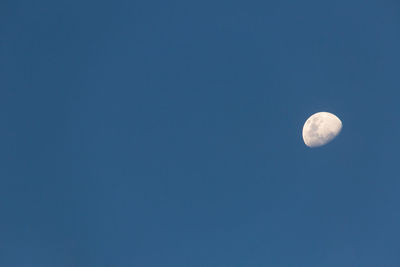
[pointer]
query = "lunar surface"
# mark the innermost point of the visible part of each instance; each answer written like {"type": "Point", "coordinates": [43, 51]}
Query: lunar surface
{"type": "Point", "coordinates": [321, 128]}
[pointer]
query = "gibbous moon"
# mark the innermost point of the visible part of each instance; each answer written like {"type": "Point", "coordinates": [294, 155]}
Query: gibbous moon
{"type": "Point", "coordinates": [320, 129]}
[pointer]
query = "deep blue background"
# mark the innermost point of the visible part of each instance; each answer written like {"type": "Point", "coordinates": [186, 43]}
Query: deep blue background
{"type": "Point", "coordinates": [168, 133]}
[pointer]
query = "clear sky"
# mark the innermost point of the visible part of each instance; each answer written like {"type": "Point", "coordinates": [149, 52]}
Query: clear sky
{"type": "Point", "coordinates": [153, 133]}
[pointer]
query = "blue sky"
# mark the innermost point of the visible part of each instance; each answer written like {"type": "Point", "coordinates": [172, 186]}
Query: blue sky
{"type": "Point", "coordinates": [168, 133]}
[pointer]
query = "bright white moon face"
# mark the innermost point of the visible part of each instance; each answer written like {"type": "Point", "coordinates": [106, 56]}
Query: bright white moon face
{"type": "Point", "coordinates": [321, 128]}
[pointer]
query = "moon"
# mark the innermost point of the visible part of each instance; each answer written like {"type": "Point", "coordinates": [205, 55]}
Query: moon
{"type": "Point", "coordinates": [321, 128]}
